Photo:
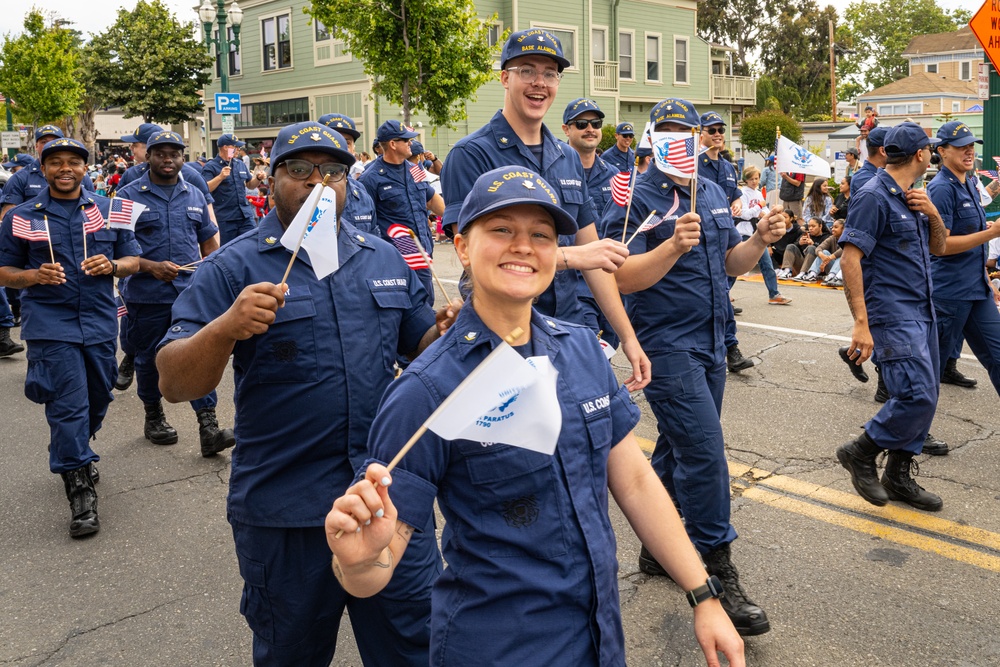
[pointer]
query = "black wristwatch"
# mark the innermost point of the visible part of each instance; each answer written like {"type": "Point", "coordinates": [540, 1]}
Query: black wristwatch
{"type": "Point", "coordinates": [711, 589]}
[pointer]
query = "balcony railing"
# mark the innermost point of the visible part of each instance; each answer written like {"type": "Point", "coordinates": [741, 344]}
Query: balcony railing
{"type": "Point", "coordinates": [606, 76]}
{"type": "Point", "coordinates": [735, 90]}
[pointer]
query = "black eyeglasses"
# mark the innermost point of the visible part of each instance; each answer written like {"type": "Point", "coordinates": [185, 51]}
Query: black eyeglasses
{"type": "Point", "coordinates": [582, 123]}
{"type": "Point", "coordinates": [300, 170]}
{"type": "Point", "coordinates": [715, 130]}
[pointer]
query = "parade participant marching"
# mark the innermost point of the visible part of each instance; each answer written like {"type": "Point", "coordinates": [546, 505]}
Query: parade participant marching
{"type": "Point", "coordinates": [531, 66]}
{"type": "Point", "coordinates": [359, 209]}
{"type": "Point", "coordinates": [889, 231]}
{"type": "Point", "coordinates": [528, 535]}
{"type": "Point", "coordinates": [311, 360]}
{"type": "Point", "coordinates": [57, 250]}
{"type": "Point", "coordinates": [964, 300]}
{"type": "Point", "coordinates": [175, 232]}
{"type": "Point", "coordinates": [677, 274]}
{"type": "Point", "coordinates": [228, 179]}
{"type": "Point", "coordinates": [875, 161]}
{"type": "Point", "coordinates": [621, 156]}
{"type": "Point", "coordinates": [29, 182]}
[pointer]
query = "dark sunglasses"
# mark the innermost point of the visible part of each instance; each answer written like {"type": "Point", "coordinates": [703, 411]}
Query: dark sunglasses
{"type": "Point", "coordinates": [715, 130]}
{"type": "Point", "coordinates": [582, 123]}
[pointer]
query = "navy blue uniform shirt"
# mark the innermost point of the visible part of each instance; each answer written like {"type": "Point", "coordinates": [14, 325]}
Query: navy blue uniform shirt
{"type": "Point", "coordinates": [359, 209]}
{"type": "Point", "coordinates": [620, 161]}
{"type": "Point", "coordinates": [399, 200]}
{"type": "Point", "coordinates": [82, 310]}
{"type": "Point", "coordinates": [190, 174]}
{"type": "Point", "coordinates": [861, 176]}
{"type": "Point", "coordinates": [960, 277]}
{"type": "Point", "coordinates": [29, 182]}
{"type": "Point", "coordinates": [688, 307]}
{"type": "Point", "coordinates": [896, 266]}
{"type": "Point", "coordinates": [168, 230]}
{"type": "Point", "coordinates": [599, 186]}
{"type": "Point", "coordinates": [722, 173]}
{"type": "Point", "coordinates": [308, 388]}
{"type": "Point", "coordinates": [527, 535]}
{"type": "Point", "coordinates": [230, 195]}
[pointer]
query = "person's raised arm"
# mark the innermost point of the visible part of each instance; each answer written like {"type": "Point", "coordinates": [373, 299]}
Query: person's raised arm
{"type": "Point", "coordinates": [744, 256]}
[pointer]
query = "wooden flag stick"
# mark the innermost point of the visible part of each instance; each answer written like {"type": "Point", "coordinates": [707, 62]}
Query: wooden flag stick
{"type": "Point", "coordinates": [107, 223]}
{"type": "Point", "coordinates": [48, 237]}
{"type": "Point", "coordinates": [191, 264]}
{"type": "Point", "coordinates": [509, 339]}
{"type": "Point", "coordinates": [84, 241]}
{"type": "Point", "coordinates": [631, 187]}
{"type": "Point", "coordinates": [777, 174]}
{"type": "Point", "coordinates": [694, 175]}
{"type": "Point", "coordinates": [298, 245]}
{"type": "Point", "coordinates": [639, 229]}
{"type": "Point", "coordinates": [430, 264]}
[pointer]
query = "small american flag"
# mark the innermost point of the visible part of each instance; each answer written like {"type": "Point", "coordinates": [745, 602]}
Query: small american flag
{"type": "Point", "coordinates": [989, 173]}
{"type": "Point", "coordinates": [400, 237]}
{"type": "Point", "coordinates": [620, 186]}
{"type": "Point", "coordinates": [418, 173]}
{"type": "Point", "coordinates": [120, 302]}
{"type": "Point", "coordinates": [93, 220]}
{"type": "Point", "coordinates": [121, 213]}
{"type": "Point", "coordinates": [30, 230]}
{"type": "Point", "coordinates": [681, 154]}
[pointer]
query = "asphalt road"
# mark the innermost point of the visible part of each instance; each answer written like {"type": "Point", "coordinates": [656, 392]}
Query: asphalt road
{"type": "Point", "coordinates": [844, 583]}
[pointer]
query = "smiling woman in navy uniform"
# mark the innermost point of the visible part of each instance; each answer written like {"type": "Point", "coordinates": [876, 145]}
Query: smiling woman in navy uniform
{"type": "Point", "coordinates": [527, 536]}
{"type": "Point", "coordinates": [70, 317]}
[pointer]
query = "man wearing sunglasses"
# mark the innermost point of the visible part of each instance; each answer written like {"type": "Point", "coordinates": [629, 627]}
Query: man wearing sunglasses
{"type": "Point", "coordinates": [311, 358]}
{"type": "Point", "coordinates": [398, 198]}
{"type": "Point", "coordinates": [621, 154]}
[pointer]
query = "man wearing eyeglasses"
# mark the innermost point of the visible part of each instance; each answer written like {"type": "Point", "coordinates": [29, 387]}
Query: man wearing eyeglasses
{"type": "Point", "coordinates": [311, 358]}
{"type": "Point", "coordinates": [228, 179]}
{"type": "Point", "coordinates": [621, 154]}
{"type": "Point", "coordinates": [398, 198]}
{"type": "Point", "coordinates": [531, 66]}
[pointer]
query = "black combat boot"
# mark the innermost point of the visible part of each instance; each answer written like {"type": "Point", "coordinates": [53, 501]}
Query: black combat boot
{"type": "Point", "coordinates": [7, 346]}
{"type": "Point", "coordinates": [858, 456]}
{"type": "Point", "coordinates": [213, 439]}
{"type": "Point", "coordinates": [934, 447]}
{"type": "Point", "coordinates": [881, 393]}
{"type": "Point", "coordinates": [951, 375]}
{"type": "Point", "coordinates": [82, 502]}
{"type": "Point", "coordinates": [157, 430]}
{"type": "Point", "coordinates": [747, 617]}
{"type": "Point", "coordinates": [649, 565]}
{"type": "Point", "coordinates": [736, 361]}
{"type": "Point", "coordinates": [15, 310]}
{"type": "Point", "coordinates": [900, 486]}
{"type": "Point", "coordinates": [126, 373]}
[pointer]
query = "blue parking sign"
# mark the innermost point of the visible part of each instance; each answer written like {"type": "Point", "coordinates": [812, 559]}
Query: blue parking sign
{"type": "Point", "coordinates": [227, 103]}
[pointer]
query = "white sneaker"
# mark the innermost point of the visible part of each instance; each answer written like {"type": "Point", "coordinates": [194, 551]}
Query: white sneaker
{"type": "Point", "coordinates": [799, 278]}
{"type": "Point", "coordinates": [783, 274]}
{"type": "Point", "coordinates": [810, 277]}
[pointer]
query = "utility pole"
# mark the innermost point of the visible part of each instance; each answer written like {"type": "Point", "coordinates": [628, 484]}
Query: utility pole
{"type": "Point", "coordinates": [833, 80]}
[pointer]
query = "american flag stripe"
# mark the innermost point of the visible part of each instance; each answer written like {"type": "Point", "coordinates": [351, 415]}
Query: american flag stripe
{"type": "Point", "coordinates": [29, 230]}
{"type": "Point", "coordinates": [93, 219]}
{"type": "Point", "coordinates": [122, 309]}
{"type": "Point", "coordinates": [121, 212]}
{"type": "Point", "coordinates": [681, 154]}
{"type": "Point", "coordinates": [400, 237]}
{"type": "Point", "coordinates": [990, 173]}
{"type": "Point", "coordinates": [418, 173]}
{"type": "Point", "coordinates": [620, 187]}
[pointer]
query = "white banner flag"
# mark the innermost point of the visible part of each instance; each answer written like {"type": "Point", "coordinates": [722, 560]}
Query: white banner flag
{"type": "Point", "coordinates": [793, 159]}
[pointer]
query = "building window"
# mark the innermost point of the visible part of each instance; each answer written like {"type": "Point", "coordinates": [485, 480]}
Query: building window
{"type": "Point", "coordinates": [902, 109]}
{"type": "Point", "coordinates": [235, 61]}
{"type": "Point", "coordinates": [599, 45]}
{"type": "Point", "coordinates": [277, 36]}
{"type": "Point", "coordinates": [493, 35]}
{"type": "Point", "coordinates": [932, 68]}
{"type": "Point", "coordinates": [652, 57]}
{"type": "Point", "coordinates": [956, 106]}
{"type": "Point", "coordinates": [965, 70]}
{"type": "Point", "coordinates": [625, 55]}
{"type": "Point", "coordinates": [680, 59]}
{"type": "Point", "coordinates": [326, 49]}
{"type": "Point", "coordinates": [567, 38]}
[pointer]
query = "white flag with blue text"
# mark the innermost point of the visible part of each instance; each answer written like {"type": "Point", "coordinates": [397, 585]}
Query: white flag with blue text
{"type": "Point", "coordinates": [793, 159]}
{"type": "Point", "coordinates": [315, 224]}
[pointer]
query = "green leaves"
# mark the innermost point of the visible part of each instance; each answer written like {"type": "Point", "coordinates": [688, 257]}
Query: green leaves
{"type": "Point", "coordinates": [757, 132]}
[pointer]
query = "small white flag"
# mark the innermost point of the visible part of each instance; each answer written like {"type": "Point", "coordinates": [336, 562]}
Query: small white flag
{"type": "Point", "coordinates": [507, 399]}
{"type": "Point", "coordinates": [314, 227]}
{"type": "Point", "coordinates": [793, 159]}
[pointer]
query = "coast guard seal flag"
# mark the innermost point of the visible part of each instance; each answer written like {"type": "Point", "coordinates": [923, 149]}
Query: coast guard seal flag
{"type": "Point", "coordinates": [793, 159]}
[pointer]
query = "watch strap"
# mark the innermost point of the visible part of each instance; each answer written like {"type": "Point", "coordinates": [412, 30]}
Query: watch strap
{"type": "Point", "coordinates": [711, 589]}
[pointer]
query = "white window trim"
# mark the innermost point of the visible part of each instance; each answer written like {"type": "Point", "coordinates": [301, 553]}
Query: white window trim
{"type": "Point", "coordinates": [239, 50]}
{"type": "Point", "coordinates": [973, 71]}
{"type": "Point", "coordinates": [499, 24]}
{"type": "Point", "coordinates": [332, 42]}
{"type": "Point", "coordinates": [607, 31]}
{"type": "Point", "coordinates": [574, 58]}
{"type": "Point", "coordinates": [659, 56]}
{"type": "Point", "coordinates": [291, 38]}
{"type": "Point", "coordinates": [927, 68]}
{"type": "Point", "coordinates": [631, 33]}
{"type": "Point", "coordinates": [686, 40]}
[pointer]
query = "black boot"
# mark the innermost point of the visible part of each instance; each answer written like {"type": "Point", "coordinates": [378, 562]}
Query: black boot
{"type": "Point", "coordinates": [15, 310]}
{"type": "Point", "coordinates": [213, 440]}
{"type": "Point", "coordinates": [900, 486]}
{"type": "Point", "coordinates": [858, 456]}
{"type": "Point", "coordinates": [951, 375]}
{"type": "Point", "coordinates": [747, 617]}
{"type": "Point", "coordinates": [934, 447]}
{"type": "Point", "coordinates": [7, 346]}
{"type": "Point", "coordinates": [881, 393]}
{"type": "Point", "coordinates": [649, 565]}
{"type": "Point", "coordinates": [126, 373]}
{"type": "Point", "coordinates": [157, 430]}
{"type": "Point", "coordinates": [736, 361]}
{"type": "Point", "coordinates": [95, 473]}
{"type": "Point", "coordinates": [82, 502]}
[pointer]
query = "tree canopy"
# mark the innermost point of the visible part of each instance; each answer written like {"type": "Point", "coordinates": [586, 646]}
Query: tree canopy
{"type": "Point", "coordinates": [427, 55]}
{"type": "Point", "coordinates": [757, 132]}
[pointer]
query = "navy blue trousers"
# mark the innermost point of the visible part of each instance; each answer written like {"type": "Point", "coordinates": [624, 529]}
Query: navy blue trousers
{"type": "Point", "coordinates": [979, 323]}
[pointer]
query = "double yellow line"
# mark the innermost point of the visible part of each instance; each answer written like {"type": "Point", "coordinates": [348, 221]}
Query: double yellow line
{"type": "Point", "coordinates": [965, 544]}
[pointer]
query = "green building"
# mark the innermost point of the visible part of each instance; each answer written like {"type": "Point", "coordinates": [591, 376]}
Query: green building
{"type": "Point", "coordinates": [289, 69]}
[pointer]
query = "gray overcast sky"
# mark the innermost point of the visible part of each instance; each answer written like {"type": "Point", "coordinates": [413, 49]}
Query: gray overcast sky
{"type": "Point", "coordinates": [95, 15]}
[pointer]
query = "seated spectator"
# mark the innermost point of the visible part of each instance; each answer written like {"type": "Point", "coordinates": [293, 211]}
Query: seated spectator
{"type": "Point", "coordinates": [823, 258]}
{"type": "Point", "coordinates": [818, 202]}
{"type": "Point", "coordinates": [839, 208]}
{"type": "Point", "coordinates": [793, 232]}
{"type": "Point", "coordinates": [795, 253]}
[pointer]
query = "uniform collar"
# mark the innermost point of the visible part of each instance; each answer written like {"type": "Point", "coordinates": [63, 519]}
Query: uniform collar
{"type": "Point", "coordinates": [949, 175]}
{"type": "Point", "coordinates": [665, 184]}
{"type": "Point", "coordinates": [890, 184]}
{"type": "Point", "coordinates": [144, 184]}
{"type": "Point", "coordinates": [505, 137]}
{"type": "Point", "coordinates": [43, 200]}
{"type": "Point", "coordinates": [471, 333]}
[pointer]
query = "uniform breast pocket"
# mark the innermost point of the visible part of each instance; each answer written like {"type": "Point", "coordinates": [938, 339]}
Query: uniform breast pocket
{"type": "Point", "coordinates": [517, 500]}
{"type": "Point", "coordinates": [904, 234]}
{"type": "Point", "coordinates": [394, 199]}
{"type": "Point", "coordinates": [147, 220]}
{"type": "Point", "coordinates": [966, 221]}
{"type": "Point", "coordinates": [104, 243]}
{"type": "Point", "coordinates": [287, 351]}
{"type": "Point", "coordinates": [391, 303]}
{"type": "Point", "coordinates": [723, 221]}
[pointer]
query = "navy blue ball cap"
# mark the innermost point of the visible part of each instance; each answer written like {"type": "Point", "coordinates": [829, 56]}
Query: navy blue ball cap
{"type": "Point", "coordinates": [165, 139]}
{"type": "Point", "coordinates": [48, 131]}
{"type": "Point", "coordinates": [643, 151]}
{"type": "Point", "coordinates": [142, 133]}
{"type": "Point", "coordinates": [64, 145]}
{"type": "Point", "coordinates": [625, 129]}
{"type": "Point", "coordinates": [956, 133]}
{"type": "Point", "coordinates": [374, 143]}
{"type": "Point", "coordinates": [394, 129]}
{"type": "Point", "coordinates": [416, 148]}
{"type": "Point", "coordinates": [906, 139]}
{"type": "Point", "coordinates": [533, 42]}
{"type": "Point", "coordinates": [877, 136]}
{"type": "Point", "coordinates": [309, 136]}
{"type": "Point", "coordinates": [510, 186]}
{"type": "Point", "coordinates": [341, 123]}
{"type": "Point", "coordinates": [579, 106]}
{"type": "Point", "coordinates": [20, 160]}
{"type": "Point", "coordinates": [674, 110]}
{"type": "Point", "coordinates": [230, 140]}
{"type": "Point", "coordinates": [711, 118]}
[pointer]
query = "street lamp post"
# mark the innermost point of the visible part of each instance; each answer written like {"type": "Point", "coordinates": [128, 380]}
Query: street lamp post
{"type": "Point", "coordinates": [235, 17]}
